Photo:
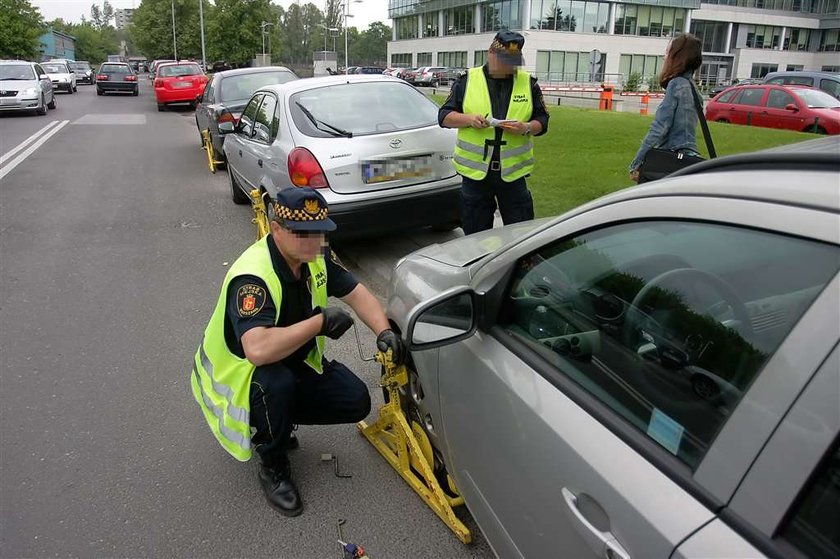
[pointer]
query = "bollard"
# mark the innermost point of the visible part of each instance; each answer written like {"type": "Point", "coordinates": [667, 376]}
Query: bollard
{"type": "Point", "coordinates": [643, 109]}
{"type": "Point", "coordinates": [816, 129]}
{"type": "Point", "coordinates": [606, 99]}
{"type": "Point", "coordinates": [749, 118]}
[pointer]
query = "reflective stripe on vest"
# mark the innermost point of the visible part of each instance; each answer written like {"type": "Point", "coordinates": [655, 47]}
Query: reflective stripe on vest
{"type": "Point", "coordinates": [516, 156]}
{"type": "Point", "coordinates": [221, 381]}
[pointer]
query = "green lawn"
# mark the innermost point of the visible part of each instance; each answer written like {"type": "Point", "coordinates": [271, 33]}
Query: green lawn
{"type": "Point", "coordinates": [586, 152]}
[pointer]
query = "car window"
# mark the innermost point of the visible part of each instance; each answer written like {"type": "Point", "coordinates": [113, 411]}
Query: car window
{"type": "Point", "coordinates": [246, 121]}
{"type": "Point", "coordinates": [830, 86]}
{"type": "Point", "coordinates": [816, 99]}
{"type": "Point", "coordinates": [16, 72]}
{"type": "Point", "coordinates": [779, 99]}
{"type": "Point", "coordinates": [175, 70]}
{"type": "Point", "coordinates": [727, 97]}
{"type": "Point", "coordinates": [363, 108]}
{"type": "Point", "coordinates": [264, 127]}
{"type": "Point", "coordinates": [55, 68]}
{"type": "Point", "coordinates": [750, 96]}
{"type": "Point", "coordinates": [812, 527]}
{"type": "Point", "coordinates": [39, 70]}
{"type": "Point", "coordinates": [115, 69]}
{"type": "Point", "coordinates": [209, 90]}
{"type": "Point", "coordinates": [798, 80]}
{"type": "Point", "coordinates": [666, 323]}
{"type": "Point", "coordinates": [242, 86]}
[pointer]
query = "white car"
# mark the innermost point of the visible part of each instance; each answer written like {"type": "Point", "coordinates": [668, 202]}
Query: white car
{"type": "Point", "coordinates": [61, 75]}
{"type": "Point", "coordinates": [24, 86]}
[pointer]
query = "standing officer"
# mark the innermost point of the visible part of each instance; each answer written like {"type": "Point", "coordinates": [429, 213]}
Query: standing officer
{"type": "Point", "coordinates": [494, 160]}
{"type": "Point", "coordinates": [260, 368]}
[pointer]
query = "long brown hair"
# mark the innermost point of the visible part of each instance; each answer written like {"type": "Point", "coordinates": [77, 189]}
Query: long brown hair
{"type": "Point", "coordinates": [685, 52]}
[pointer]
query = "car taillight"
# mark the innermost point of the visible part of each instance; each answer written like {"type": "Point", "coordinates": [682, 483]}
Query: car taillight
{"type": "Point", "coordinates": [228, 117]}
{"type": "Point", "coordinates": [158, 82]}
{"type": "Point", "coordinates": [304, 169]}
{"type": "Point", "coordinates": [101, 77]}
{"type": "Point", "coordinates": [131, 78]}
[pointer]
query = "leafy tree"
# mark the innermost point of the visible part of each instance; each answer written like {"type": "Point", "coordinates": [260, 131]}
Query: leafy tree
{"type": "Point", "coordinates": [230, 38]}
{"type": "Point", "coordinates": [21, 26]}
{"type": "Point", "coordinates": [151, 28]}
{"type": "Point", "coordinates": [372, 45]}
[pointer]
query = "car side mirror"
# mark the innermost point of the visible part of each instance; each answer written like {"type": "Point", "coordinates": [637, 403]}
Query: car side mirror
{"type": "Point", "coordinates": [226, 127]}
{"type": "Point", "coordinates": [446, 319]}
{"type": "Point", "coordinates": [791, 107]}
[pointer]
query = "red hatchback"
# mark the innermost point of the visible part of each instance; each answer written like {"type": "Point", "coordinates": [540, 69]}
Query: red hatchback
{"type": "Point", "coordinates": [178, 82]}
{"type": "Point", "coordinates": [773, 106]}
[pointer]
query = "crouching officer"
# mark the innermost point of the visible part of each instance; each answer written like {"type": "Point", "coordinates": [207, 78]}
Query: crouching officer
{"type": "Point", "coordinates": [260, 368]}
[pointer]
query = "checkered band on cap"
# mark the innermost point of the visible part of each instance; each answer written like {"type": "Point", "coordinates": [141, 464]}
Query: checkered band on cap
{"type": "Point", "coordinates": [298, 214]}
{"type": "Point", "coordinates": [498, 46]}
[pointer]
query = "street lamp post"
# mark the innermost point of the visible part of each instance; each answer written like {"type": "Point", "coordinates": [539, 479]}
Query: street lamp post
{"type": "Point", "coordinates": [174, 42]}
{"type": "Point", "coordinates": [346, 6]}
{"type": "Point", "coordinates": [263, 25]}
{"type": "Point", "coordinates": [201, 19]}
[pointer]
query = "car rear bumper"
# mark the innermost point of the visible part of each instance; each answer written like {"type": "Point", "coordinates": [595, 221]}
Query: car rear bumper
{"type": "Point", "coordinates": [186, 95]}
{"type": "Point", "coordinates": [400, 213]}
{"type": "Point", "coordinates": [116, 86]}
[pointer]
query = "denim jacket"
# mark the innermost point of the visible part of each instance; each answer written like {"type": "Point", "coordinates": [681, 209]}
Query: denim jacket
{"type": "Point", "coordinates": [675, 124]}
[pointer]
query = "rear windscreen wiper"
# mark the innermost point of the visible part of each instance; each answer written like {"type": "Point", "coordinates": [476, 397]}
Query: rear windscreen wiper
{"type": "Point", "coordinates": [335, 131]}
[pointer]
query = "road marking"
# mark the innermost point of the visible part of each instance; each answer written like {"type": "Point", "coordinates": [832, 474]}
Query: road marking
{"type": "Point", "coordinates": [19, 159]}
{"type": "Point", "coordinates": [111, 119]}
{"type": "Point", "coordinates": [23, 144]}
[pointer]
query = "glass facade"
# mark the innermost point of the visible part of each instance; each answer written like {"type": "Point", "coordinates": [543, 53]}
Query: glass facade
{"type": "Point", "coordinates": [648, 21]}
{"type": "Point", "coordinates": [573, 16]}
{"type": "Point", "coordinates": [480, 58]}
{"type": "Point", "coordinates": [645, 65]}
{"type": "Point", "coordinates": [458, 21]}
{"type": "Point", "coordinates": [424, 59]}
{"type": "Point", "coordinates": [763, 37]}
{"type": "Point", "coordinates": [457, 59]}
{"type": "Point", "coordinates": [402, 60]}
{"type": "Point", "coordinates": [712, 33]}
{"type": "Point", "coordinates": [505, 14]}
{"type": "Point", "coordinates": [797, 39]}
{"type": "Point", "coordinates": [805, 6]}
{"type": "Point", "coordinates": [563, 66]}
{"type": "Point", "coordinates": [830, 40]}
{"type": "Point", "coordinates": [431, 25]}
{"type": "Point", "coordinates": [406, 27]}
{"type": "Point", "coordinates": [761, 70]}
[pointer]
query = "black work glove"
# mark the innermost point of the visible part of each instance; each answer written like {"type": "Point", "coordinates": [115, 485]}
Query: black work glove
{"type": "Point", "coordinates": [388, 339]}
{"type": "Point", "coordinates": [336, 321]}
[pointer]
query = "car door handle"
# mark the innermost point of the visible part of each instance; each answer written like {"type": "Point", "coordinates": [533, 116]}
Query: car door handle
{"type": "Point", "coordinates": [240, 153]}
{"type": "Point", "coordinates": [259, 162]}
{"type": "Point", "coordinates": [613, 549]}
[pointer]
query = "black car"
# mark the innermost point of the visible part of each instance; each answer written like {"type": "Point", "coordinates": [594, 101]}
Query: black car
{"type": "Point", "coordinates": [84, 73]}
{"type": "Point", "coordinates": [226, 95]}
{"type": "Point", "coordinates": [116, 76]}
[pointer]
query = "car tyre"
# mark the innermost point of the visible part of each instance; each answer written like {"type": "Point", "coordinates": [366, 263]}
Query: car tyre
{"type": "Point", "coordinates": [70, 90]}
{"type": "Point", "coordinates": [75, 89]}
{"type": "Point", "coordinates": [42, 108]}
{"type": "Point", "coordinates": [704, 387]}
{"type": "Point", "coordinates": [136, 92]}
{"type": "Point", "coordinates": [237, 194]}
{"type": "Point", "coordinates": [99, 91]}
{"type": "Point", "coordinates": [161, 107]}
{"type": "Point", "coordinates": [51, 104]}
{"type": "Point", "coordinates": [722, 121]}
{"type": "Point", "coordinates": [435, 83]}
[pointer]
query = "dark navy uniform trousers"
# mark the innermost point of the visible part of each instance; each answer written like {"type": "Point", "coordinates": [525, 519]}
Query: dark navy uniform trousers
{"type": "Point", "coordinates": [478, 202]}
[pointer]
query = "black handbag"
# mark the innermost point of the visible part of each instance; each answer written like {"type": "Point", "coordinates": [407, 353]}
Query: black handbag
{"type": "Point", "coordinates": [660, 163]}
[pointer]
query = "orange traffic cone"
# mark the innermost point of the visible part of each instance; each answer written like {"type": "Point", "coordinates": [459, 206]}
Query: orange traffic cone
{"type": "Point", "coordinates": [643, 110]}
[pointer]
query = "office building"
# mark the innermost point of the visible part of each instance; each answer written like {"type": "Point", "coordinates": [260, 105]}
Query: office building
{"type": "Point", "coordinates": [123, 17]}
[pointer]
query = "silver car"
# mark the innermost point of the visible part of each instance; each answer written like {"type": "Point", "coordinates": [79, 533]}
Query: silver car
{"type": "Point", "coordinates": [24, 86]}
{"type": "Point", "coordinates": [371, 143]}
{"type": "Point", "coordinates": [654, 374]}
{"type": "Point", "coordinates": [62, 76]}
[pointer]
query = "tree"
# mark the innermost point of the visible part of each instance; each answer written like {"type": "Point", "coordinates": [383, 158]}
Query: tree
{"type": "Point", "coordinates": [232, 40]}
{"type": "Point", "coordinates": [372, 45]}
{"type": "Point", "coordinates": [151, 28]}
{"type": "Point", "coordinates": [21, 26]}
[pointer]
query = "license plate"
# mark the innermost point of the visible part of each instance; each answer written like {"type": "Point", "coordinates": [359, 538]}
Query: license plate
{"type": "Point", "coordinates": [182, 85]}
{"type": "Point", "coordinates": [374, 171]}
{"type": "Point", "coordinates": [7, 101]}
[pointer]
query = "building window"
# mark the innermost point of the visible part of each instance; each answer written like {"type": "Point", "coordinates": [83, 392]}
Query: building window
{"type": "Point", "coordinates": [458, 21]}
{"type": "Point", "coordinates": [480, 58]}
{"type": "Point", "coordinates": [648, 21]}
{"type": "Point", "coordinates": [504, 14]}
{"type": "Point", "coordinates": [647, 66]}
{"type": "Point", "coordinates": [763, 36]}
{"type": "Point", "coordinates": [430, 25]}
{"type": "Point", "coordinates": [794, 68]}
{"type": "Point", "coordinates": [406, 27]}
{"type": "Point", "coordinates": [830, 40]}
{"type": "Point", "coordinates": [573, 16]}
{"type": "Point", "coordinates": [831, 69]}
{"type": "Point", "coordinates": [424, 59]}
{"type": "Point", "coordinates": [457, 59]}
{"type": "Point", "coordinates": [797, 39]}
{"type": "Point", "coordinates": [711, 33]}
{"type": "Point", "coordinates": [803, 6]}
{"type": "Point", "coordinates": [761, 70]}
{"type": "Point", "coordinates": [567, 67]}
{"type": "Point", "coordinates": [401, 60]}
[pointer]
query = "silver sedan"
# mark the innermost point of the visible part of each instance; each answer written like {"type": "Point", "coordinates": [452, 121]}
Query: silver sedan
{"type": "Point", "coordinates": [654, 374]}
{"type": "Point", "coordinates": [371, 143]}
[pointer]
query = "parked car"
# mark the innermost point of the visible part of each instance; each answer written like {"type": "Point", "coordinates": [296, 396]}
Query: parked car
{"type": "Point", "coordinates": [226, 95]}
{"type": "Point", "coordinates": [351, 69]}
{"type": "Point", "coordinates": [84, 72]}
{"type": "Point", "coordinates": [430, 75]}
{"type": "Point", "coordinates": [116, 77]}
{"type": "Point", "coordinates": [61, 75]}
{"type": "Point", "coordinates": [720, 88]}
{"type": "Point", "coordinates": [370, 143]}
{"type": "Point", "coordinates": [527, 373]}
{"type": "Point", "coordinates": [153, 67]}
{"type": "Point", "coordinates": [25, 86]}
{"type": "Point", "coordinates": [402, 72]}
{"type": "Point", "coordinates": [178, 82]}
{"type": "Point", "coordinates": [412, 74]}
{"type": "Point", "coordinates": [774, 106]}
{"type": "Point", "coordinates": [369, 70]}
{"type": "Point", "coordinates": [830, 83]}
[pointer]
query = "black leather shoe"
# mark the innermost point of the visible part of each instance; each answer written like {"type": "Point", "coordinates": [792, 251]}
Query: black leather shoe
{"type": "Point", "coordinates": [293, 443]}
{"type": "Point", "coordinates": [281, 493]}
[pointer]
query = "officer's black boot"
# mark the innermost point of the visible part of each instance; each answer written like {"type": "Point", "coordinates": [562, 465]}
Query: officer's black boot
{"type": "Point", "coordinates": [276, 480]}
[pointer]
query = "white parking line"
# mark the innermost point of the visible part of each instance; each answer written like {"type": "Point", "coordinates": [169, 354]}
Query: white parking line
{"type": "Point", "coordinates": [24, 143]}
{"type": "Point", "coordinates": [19, 159]}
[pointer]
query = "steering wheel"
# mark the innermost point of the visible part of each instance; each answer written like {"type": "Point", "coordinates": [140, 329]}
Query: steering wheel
{"type": "Point", "coordinates": [634, 316]}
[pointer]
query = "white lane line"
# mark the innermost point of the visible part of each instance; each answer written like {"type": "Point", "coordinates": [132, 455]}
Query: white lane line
{"type": "Point", "coordinates": [19, 159]}
{"type": "Point", "coordinates": [23, 144]}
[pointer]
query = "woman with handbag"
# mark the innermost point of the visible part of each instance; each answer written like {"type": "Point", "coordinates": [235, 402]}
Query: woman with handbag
{"type": "Point", "coordinates": [671, 143]}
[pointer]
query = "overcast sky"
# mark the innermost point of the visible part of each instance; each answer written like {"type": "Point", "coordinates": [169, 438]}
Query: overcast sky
{"type": "Point", "coordinates": [73, 10]}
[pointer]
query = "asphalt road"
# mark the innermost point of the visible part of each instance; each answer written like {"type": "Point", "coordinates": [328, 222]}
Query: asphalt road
{"type": "Point", "coordinates": [114, 240]}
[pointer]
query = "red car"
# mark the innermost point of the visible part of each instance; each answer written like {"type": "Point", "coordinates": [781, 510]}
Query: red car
{"type": "Point", "coordinates": [178, 82]}
{"type": "Point", "coordinates": [774, 106]}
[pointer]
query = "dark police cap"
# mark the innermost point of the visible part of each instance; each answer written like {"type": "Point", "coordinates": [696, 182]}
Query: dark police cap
{"type": "Point", "coordinates": [302, 209]}
{"type": "Point", "coordinates": [508, 47]}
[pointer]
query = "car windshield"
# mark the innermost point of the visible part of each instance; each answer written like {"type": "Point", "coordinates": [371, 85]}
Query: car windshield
{"type": "Point", "coordinates": [16, 72]}
{"type": "Point", "coordinates": [179, 70]}
{"type": "Point", "coordinates": [115, 69]}
{"type": "Point", "coordinates": [363, 108]}
{"type": "Point", "coordinates": [817, 99]}
{"type": "Point", "coordinates": [241, 87]}
{"type": "Point", "coordinates": [83, 66]}
{"type": "Point", "coordinates": [54, 68]}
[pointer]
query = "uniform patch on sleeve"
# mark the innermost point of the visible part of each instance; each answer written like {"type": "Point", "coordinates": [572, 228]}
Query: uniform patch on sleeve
{"type": "Point", "coordinates": [335, 259]}
{"type": "Point", "coordinates": [250, 299]}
